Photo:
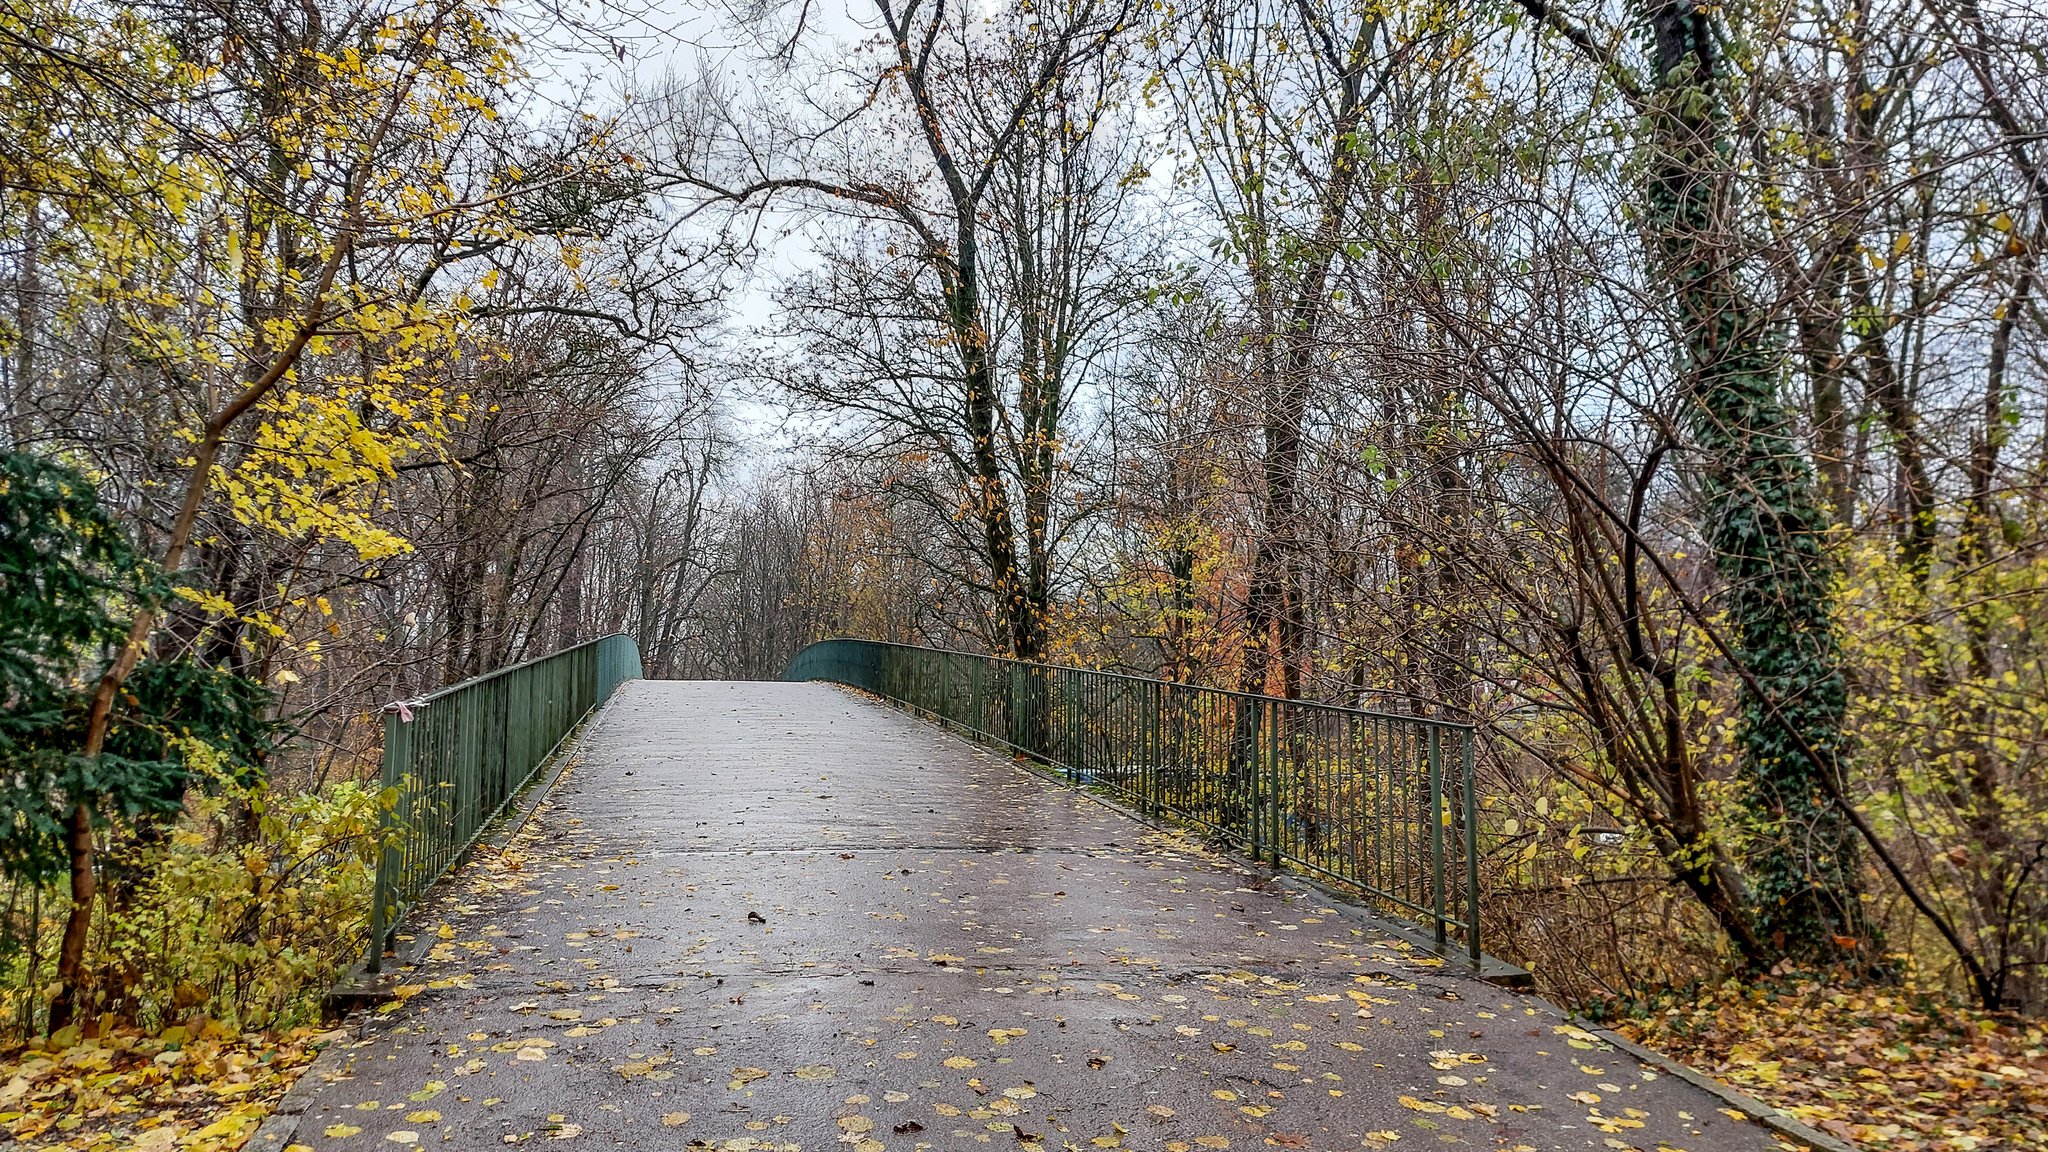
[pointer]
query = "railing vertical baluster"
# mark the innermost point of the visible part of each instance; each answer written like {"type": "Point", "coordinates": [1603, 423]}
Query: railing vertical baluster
{"type": "Point", "coordinates": [1436, 828]}
{"type": "Point", "coordinates": [1071, 711]}
{"type": "Point", "coordinates": [1471, 850]}
{"type": "Point", "coordinates": [1382, 774]}
{"type": "Point", "coordinates": [396, 734]}
{"type": "Point", "coordinates": [1254, 744]}
{"type": "Point", "coordinates": [1274, 834]}
{"type": "Point", "coordinates": [1149, 754]}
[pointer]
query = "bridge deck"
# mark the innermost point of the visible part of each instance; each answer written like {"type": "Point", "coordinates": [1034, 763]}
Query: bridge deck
{"type": "Point", "coordinates": [768, 916]}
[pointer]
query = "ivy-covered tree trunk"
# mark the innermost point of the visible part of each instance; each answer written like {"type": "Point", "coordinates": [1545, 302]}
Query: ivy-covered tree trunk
{"type": "Point", "coordinates": [1764, 518]}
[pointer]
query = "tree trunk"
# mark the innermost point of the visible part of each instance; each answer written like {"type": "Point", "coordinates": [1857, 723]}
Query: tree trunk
{"type": "Point", "coordinates": [1274, 600]}
{"type": "Point", "coordinates": [1764, 520]}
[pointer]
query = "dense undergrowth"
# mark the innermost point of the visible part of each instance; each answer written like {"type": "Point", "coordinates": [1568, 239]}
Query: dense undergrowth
{"type": "Point", "coordinates": [239, 915]}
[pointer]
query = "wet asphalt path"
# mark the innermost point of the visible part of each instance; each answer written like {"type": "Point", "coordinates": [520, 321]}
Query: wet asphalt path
{"type": "Point", "coordinates": [760, 917]}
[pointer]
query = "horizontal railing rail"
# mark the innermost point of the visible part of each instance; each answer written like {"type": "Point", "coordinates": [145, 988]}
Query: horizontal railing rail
{"type": "Point", "coordinates": [1376, 802]}
{"type": "Point", "coordinates": [453, 759]}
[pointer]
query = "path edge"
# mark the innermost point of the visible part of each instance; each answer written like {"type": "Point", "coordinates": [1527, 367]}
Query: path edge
{"type": "Point", "coordinates": [1775, 1119]}
{"type": "Point", "coordinates": [353, 991]}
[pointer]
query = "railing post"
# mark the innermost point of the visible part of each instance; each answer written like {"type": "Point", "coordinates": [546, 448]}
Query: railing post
{"type": "Point", "coordinates": [1471, 852]}
{"type": "Point", "coordinates": [1253, 801]}
{"type": "Point", "coordinates": [1013, 710]}
{"type": "Point", "coordinates": [979, 677]}
{"type": "Point", "coordinates": [1069, 755]}
{"type": "Point", "coordinates": [397, 746]}
{"type": "Point", "coordinates": [1274, 837]}
{"type": "Point", "coordinates": [1436, 827]}
{"type": "Point", "coordinates": [1148, 782]}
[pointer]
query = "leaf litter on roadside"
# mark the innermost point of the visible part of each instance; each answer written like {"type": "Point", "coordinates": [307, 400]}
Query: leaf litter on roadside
{"type": "Point", "coordinates": [198, 1087]}
{"type": "Point", "coordinates": [1887, 1071]}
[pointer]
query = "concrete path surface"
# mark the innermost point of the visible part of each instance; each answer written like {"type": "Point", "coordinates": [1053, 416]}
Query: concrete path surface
{"type": "Point", "coordinates": [760, 917]}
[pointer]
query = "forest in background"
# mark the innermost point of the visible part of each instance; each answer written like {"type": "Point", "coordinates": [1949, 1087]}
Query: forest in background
{"type": "Point", "coordinates": [1663, 389]}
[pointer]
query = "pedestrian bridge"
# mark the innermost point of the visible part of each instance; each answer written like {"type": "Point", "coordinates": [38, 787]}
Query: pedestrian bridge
{"type": "Point", "coordinates": [754, 916]}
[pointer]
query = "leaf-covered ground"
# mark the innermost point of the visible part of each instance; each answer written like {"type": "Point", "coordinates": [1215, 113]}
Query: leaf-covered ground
{"type": "Point", "coordinates": [1885, 1071]}
{"type": "Point", "coordinates": [1882, 1071]}
{"type": "Point", "coordinates": [202, 1088]}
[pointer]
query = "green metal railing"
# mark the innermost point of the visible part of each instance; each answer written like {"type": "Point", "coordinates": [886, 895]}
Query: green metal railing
{"type": "Point", "coordinates": [1379, 803]}
{"type": "Point", "coordinates": [453, 759]}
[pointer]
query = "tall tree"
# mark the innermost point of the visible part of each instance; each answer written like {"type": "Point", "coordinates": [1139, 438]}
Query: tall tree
{"type": "Point", "coordinates": [976, 225]}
